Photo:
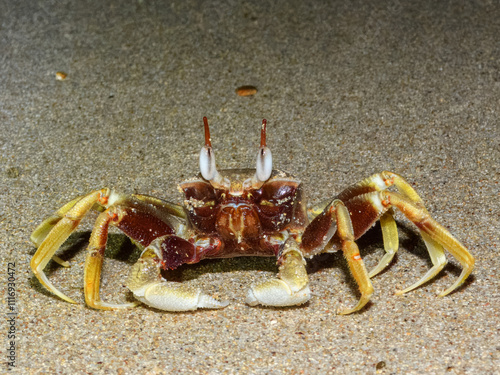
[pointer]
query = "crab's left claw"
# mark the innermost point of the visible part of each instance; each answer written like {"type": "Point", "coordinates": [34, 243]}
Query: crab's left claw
{"type": "Point", "coordinates": [276, 292]}
{"type": "Point", "coordinates": [291, 288]}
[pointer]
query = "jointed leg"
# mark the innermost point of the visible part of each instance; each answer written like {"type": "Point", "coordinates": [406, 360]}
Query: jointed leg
{"type": "Point", "coordinates": [54, 231]}
{"type": "Point", "coordinates": [142, 218]}
{"type": "Point", "coordinates": [391, 242]}
{"type": "Point", "coordinates": [436, 238]}
{"type": "Point", "coordinates": [438, 260]}
{"type": "Point", "coordinates": [380, 182]}
{"type": "Point", "coordinates": [374, 183]}
{"type": "Point", "coordinates": [93, 264]}
{"type": "Point", "coordinates": [41, 232]}
{"type": "Point", "coordinates": [290, 288]}
{"type": "Point", "coordinates": [351, 254]}
{"type": "Point", "coordinates": [435, 249]}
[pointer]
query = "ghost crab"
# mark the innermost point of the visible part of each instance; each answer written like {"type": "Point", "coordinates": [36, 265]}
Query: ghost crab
{"type": "Point", "coordinates": [247, 212]}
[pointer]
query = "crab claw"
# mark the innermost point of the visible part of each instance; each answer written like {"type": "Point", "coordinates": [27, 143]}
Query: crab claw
{"type": "Point", "coordinates": [149, 287]}
{"type": "Point", "coordinates": [290, 288]}
{"type": "Point", "coordinates": [171, 296]}
{"type": "Point", "coordinates": [276, 292]}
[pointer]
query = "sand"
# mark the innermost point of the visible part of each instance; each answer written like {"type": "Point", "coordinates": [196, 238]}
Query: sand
{"type": "Point", "coordinates": [349, 88]}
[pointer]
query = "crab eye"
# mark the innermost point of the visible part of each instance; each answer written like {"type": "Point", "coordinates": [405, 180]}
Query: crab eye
{"type": "Point", "coordinates": [264, 164]}
{"type": "Point", "coordinates": [207, 157]}
{"type": "Point", "coordinates": [264, 157]}
{"type": "Point", "coordinates": [207, 163]}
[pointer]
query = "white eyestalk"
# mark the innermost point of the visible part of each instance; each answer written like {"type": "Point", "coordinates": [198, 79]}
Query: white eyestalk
{"type": "Point", "coordinates": [207, 160]}
{"type": "Point", "coordinates": [264, 166]}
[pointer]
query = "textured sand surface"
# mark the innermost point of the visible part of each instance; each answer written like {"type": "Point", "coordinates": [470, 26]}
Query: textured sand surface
{"type": "Point", "coordinates": [349, 88]}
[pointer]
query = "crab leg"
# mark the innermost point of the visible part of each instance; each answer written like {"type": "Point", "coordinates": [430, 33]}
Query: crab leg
{"type": "Point", "coordinates": [149, 287]}
{"type": "Point", "coordinates": [162, 206]}
{"type": "Point", "coordinates": [142, 218]}
{"type": "Point", "coordinates": [72, 213]}
{"type": "Point", "coordinates": [379, 182]}
{"type": "Point", "coordinates": [41, 232]}
{"type": "Point", "coordinates": [435, 236]}
{"type": "Point", "coordinates": [291, 286]}
{"type": "Point", "coordinates": [337, 228]}
{"type": "Point", "coordinates": [391, 242]}
{"type": "Point", "coordinates": [93, 263]}
{"type": "Point", "coordinates": [351, 254]}
{"type": "Point", "coordinates": [438, 259]}
{"type": "Point", "coordinates": [433, 239]}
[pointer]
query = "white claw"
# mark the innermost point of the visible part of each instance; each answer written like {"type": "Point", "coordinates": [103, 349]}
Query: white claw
{"type": "Point", "coordinates": [276, 292]}
{"type": "Point", "coordinates": [173, 297]}
{"type": "Point", "coordinates": [149, 287]}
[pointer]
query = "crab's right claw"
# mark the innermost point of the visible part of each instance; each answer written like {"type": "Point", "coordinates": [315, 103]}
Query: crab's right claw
{"type": "Point", "coordinates": [149, 287]}
{"type": "Point", "coordinates": [171, 296]}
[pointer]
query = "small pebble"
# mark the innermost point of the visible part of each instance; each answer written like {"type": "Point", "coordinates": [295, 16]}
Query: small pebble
{"type": "Point", "coordinates": [61, 76]}
{"type": "Point", "coordinates": [246, 90]}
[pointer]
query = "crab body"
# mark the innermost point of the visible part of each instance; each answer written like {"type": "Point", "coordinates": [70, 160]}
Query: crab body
{"type": "Point", "coordinates": [244, 220]}
{"type": "Point", "coordinates": [246, 212]}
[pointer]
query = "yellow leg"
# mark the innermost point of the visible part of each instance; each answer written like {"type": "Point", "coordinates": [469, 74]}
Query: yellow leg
{"type": "Point", "coordinates": [380, 182]}
{"type": "Point", "coordinates": [438, 259]}
{"type": "Point", "coordinates": [403, 187]}
{"type": "Point", "coordinates": [436, 238]}
{"type": "Point", "coordinates": [41, 232]}
{"type": "Point", "coordinates": [391, 242]}
{"type": "Point", "coordinates": [93, 265]}
{"type": "Point", "coordinates": [73, 213]}
{"type": "Point", "coordinates": [351, 254]}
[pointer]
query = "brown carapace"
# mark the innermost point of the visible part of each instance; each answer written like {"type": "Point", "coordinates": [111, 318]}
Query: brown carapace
{"type": "Point", "coordinates": [247, 212]}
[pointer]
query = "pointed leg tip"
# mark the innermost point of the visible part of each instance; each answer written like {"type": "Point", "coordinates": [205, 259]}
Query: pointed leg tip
{"type": "Point", "coordinates": [360, 305]}
{"type": "Point", "coordinates": [67, 299]}
{"type": "Point", "coordinates": [60, 261]}
{"type": "Point", "coordinates": [345, 311]}
{"type": "Point", "coordinates": [42, 278]}
{"type": "Point", "coordinates": [448, 291]}
{"type": "Point", "coordinates": [112, 306]}
{"type": "Point", "coordinates": [373, 273]}
{"type": "Point", "coordinates": [348, 311]}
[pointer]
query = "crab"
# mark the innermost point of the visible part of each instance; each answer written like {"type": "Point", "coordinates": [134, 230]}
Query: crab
{"type": "Point", "coordinates": [243, 212]}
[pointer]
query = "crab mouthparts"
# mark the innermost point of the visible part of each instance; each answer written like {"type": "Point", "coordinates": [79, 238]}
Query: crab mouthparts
{"type": "Point", "coordinates": [238, 221]}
